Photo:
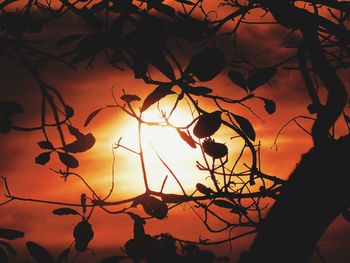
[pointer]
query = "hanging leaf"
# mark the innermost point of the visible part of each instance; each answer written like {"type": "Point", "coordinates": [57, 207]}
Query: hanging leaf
{"type": "Point", "coordinates": [207, 124]}
{"type": "Point", "coordinates": [92, 115]}
{"type": "Point", "coordinates": [68, 39]}
{"type": "Point", "coordinates": [64, 211]}
{"type": "Point", "coordinates": [260, 77]}
{"type": "Point", "coordinates": [152, 206]}
{"type": "Point", "coordinates": [214, 149]}
{"type": "Point", "coordinates": [8, 248]}
{"type": "Point", "coordinates": [63, 257]}
{"type": "Point", "coordinates": [269, 106]}
{"type": "Point", "coordinates": [68, 160]}
{"type": "Point", "coordinates": [245, 126]}
{"type": "Point", "coordinates": [238, 79]}
{"type": "Point", "coordinates": [203, 189]}
{"type": "Point", "coordinates": [161, 63]}
{"type": "Point", "coordinates": [83, 234]}
{"type": "Point", "coordinates": [45, 145]}
{"type": "Point", "coordinates": [43, 158]}
{"type": "Point", "coordinates": [83, 202]}
{"type": "Point", "coordinates": [10, 234]}
{"type": "Point", "coordinates": [160, 92]}
{"type": "Point", "coordinates": [8, 108]}
{"type": "Point", "coordinates": [69, 111]}
{"type": "Point", "coordinates": [74, 131]}
{"type": "Point", "coordinates": [82, 144]}
{"type": "Point", "coordinates": [128, 98]}
{"type": "Point", "coordinates": [198, 91]}
{"type": "Point", "coordinates": [5, 125]}
{"type": "Point", "coordinates": [38, 253]}
{"type": "Point", "coordinates": [187, 138]}
{"type": "Point", "coordinates": [206, 64]}
{"type": "Point", "coordinates": [139, 65]}
{"type": "Point", "coordinates": [174, 198]}
{"type": "Point", "coordinates": [223, 203]}
{"type": "Point", "coordinates": [113, 259]}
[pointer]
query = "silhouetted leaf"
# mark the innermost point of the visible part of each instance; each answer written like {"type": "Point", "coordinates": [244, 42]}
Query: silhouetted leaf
{"type": "Point", "coordinates": [10, 234]}
{"type": "Point", "coordinates": [152, 206]}
{"type": "Point", "coordinates": [45, 145]}
{"type": "Point", "coordinates": [186, 2]}
{"type": "Point", "coordinates": [203, 189]}
{"type": "Point", "coordinates": [223, 203]}
{"type": "Point", "coordinates": [83, 202]}
{"type": "Point", "coordinates": [161, 63]}
{"type": "Point", "coordinates": [92, 115]}
{"type": "Point", "coordinates": [346, 215]}
{"type": "Point", "coordinates": [187, 138]}
{"type": "Point", "coordinates": [165, 9]}
{"type": "Point", "coordinates": [69, 111]}
{"type": "Point", "coordinates": [238, 79]}
{"type": "Point", "coordinates": [74, 131]}
{"type": "Point", "coordinates": [82, 144]}
{"type": "Point", "coordinates": [8, 108]}
{"type": "Point", "coordinates": [113, 259]}
{"type": "Point", "coordinates": [260, 77]}
{"type": "Point", "coordinates": [8, 247]}
{"type": "Point", "coordinates": [5, 125]}
{"type": "Point", "coordinates": [99, 7]}
{"type": "Point", "coordinates": [238, 209]}
{"type": "Point", "coordinates": [214, 149]}
{"type": "Point", "coordinates": [160, 92]}
{"type": "Point", "coordinates": [63, 257]}
{"type": "Point", "coordinates": [245, 126]}
{"type": "Point", "coordinates": [68, 39]}
{"type": "Point", "coordinates": [174, 198]}
{"type": "Point", "coordinates": [269, 106]}
{"type": "Point", "coordinates": [128, 98]}
{"type": "Point", "coordinates": [65, 211]}
{"type": "Point", "coordinates": [3, 256]}
{"type": "Point", "coordinates": [43, 158]}
{"type": "Point", "coordinates": [39, 253]}
{"type": "Point", "coordinates": [206, 64]}
{"type": "Point", "coordinates": [68, 160]}
{"type": "Point", "coordinates": [83, 234]}
{"type": "Point", "coordinates": [207, 124]}
{"type": "Point", "coordinates": [199, 91]}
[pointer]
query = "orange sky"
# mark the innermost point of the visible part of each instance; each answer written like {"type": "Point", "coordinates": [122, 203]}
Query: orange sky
{"type": "Point", "coordinates": [91, 89]}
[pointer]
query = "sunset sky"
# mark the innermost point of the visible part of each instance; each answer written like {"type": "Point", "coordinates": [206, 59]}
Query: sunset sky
{"type": "Point", "coordinates": [88, 90]}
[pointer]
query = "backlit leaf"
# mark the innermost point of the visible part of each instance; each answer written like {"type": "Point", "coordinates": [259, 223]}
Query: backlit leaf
{"type": "Point", "coordinates": [92, 115]}
{"type": "Point", "coordinates": [269, 106]}
{"type": "Point", "coordinates": [8, 247]}
{"type": "Point", "coordinates": [245, 126]}
{"type": "Point", "coordinates": [45, 145]}
{"type": "Point", "coordinates": [43, 158]}
{"type": "Point", "coordinates": [128, 98]}
{"type": "Point", "coordinates": [39, 253]}
{"type": "Point", "coordinates": [160, 92]}
{"type": "Point", "coordinates": [223, 203]}
{"type": "Point", "coordinates": [65, 211]}
{"type": "Point", "coordinates": [63, 257]}
{"type": "Point", "coordinates": [83, 234]}
{"type": "Point", "coordinates": [260, 77]}
{"type": "Point", "coordinates": [8, 108]}
{"type": "Point", "coordinates": [203, 189]}
{"type": "Point", "coordinates": [10, 234]}
{"type": "Point", "coordinates": [207, 124]}
{"type": "Point", "coordinates": [82, 144]}
{"type": "Point", "coordinates": [187, 138]}
{"type": "Point", "coordinates": [238, 79]}
{"type": "Point", "coordinates": [68, 160]}
{"type": "Point", "coordinates": [214, 149]}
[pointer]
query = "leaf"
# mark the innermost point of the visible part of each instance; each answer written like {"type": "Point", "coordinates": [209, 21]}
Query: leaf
{"type": "Point", "coordinates": [260, 77]}
{"type": "Point", "coordinates": [152, 206]}
{"type": "Point", "coordinates": [63, 257]}
{"type": "Point", "coordinates": [68, 160]}
{"type": "Point", "coordinates": [68, 39]}
{"type": "Point", "coordinates": [5, 125]}
{"type": "Point", "coordinates": [238, 79]}
{"type": "Point", "coordinates": [39, 253]}
{"type": "Point", "coordinates": [199, 91]}
{"type": "Point", "coordinates": [160, 92]}
{"type": "Point", "coordinates": [161, 63]}
{"type": "Point", "coordinates": [223, 203]}
{"type": "Point", "coordinates": [45, 145]}
{"type": "Point", "coordinates": [99, 7]}
{"type": "Point", "coordinates": [64, 211]}
{"type": "Point", "coordinates": [214, 149]}
{"type": "Point", "coordinates": [128, 98]}
{"type": "Point", "coordinates": [82, 144]}
{"type": "Point", "coordinates": [8, 108]}
{"type": "Point", "coordinates": [207, 124]}
{"type": "Point", "coordinates": [69, 111]}
{"type": "Point", "coordinates": [8, 247]}
{"type": "Point", "coordinates": [113, 259]}
{"type": "Point", "coordinates": [43, 158]}
{"type": "Point", "coordinates": [74, 131]}
{"type": "Point", "coordinates": [245, 126]}
{"type": "Point", "coordinates": [206, 64]}
{"type": "Point", "coordinates": [203, 189]}
{"type": "Point", "coordinates": [83, 234]}
{"type": "Point", "coordinates": [174, 198]}
{"type": "Point", "coordinates": [92, 115]}
{"type": "Point", "coordinates": [269, 106]}
{"type": "Point", "coordinates": [10, 234]}
{"type": "Point", "coordinates": [186, 2]}
{"type": "Point", "coordinates": [187, 138]}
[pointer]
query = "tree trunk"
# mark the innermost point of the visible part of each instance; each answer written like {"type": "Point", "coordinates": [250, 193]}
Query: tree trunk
{"type": "Point", "coordinates": [316, 193]}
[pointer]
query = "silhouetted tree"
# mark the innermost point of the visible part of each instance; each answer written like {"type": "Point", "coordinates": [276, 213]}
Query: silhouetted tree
{"type": "Point", "coordinates": [149, 36]}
